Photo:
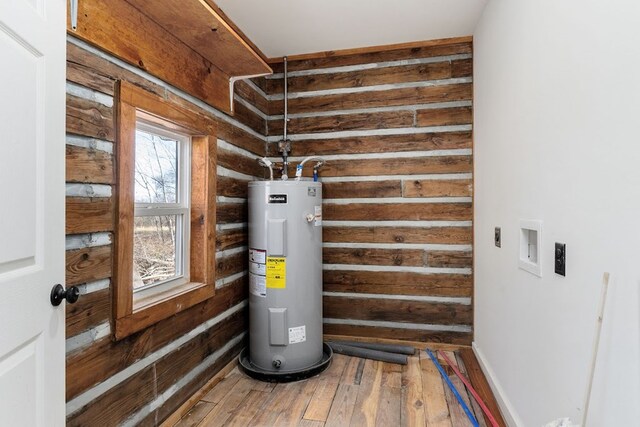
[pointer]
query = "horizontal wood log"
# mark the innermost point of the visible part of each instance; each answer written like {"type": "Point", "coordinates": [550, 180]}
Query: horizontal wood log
{"type": "Point", "coordinates": [395, 166]}
{"type": "Point", "coordinates": [381, 144]}
{"type": "Point", "coordinates": [432, 235]}
{"type": "Point", "coordinates": [103, 67]}
{"type": "Point", "coordinates": [88, 215]}
{"type": "Point", "coordinates": [106, 357]}
{"type": "Point", "coordinates": [398, 283]}
{"type": "Point", "coordinates": [124, 31]}
{"type": "Point", "coordinates": [240, 138]}
{"type": "Point", "coordinates": [87, 77]}
{"type": "Point", "coordinates": [118, 403]}
{"type": "Point", "coordinates": [227, 131]}
{"type": "Point", "coordinates": [437, 188]}
{"type": "Point", "coordinates": [233, 238]}
{"type": "Point", "coordinates": [88, 165]}
{"type": "Point", "coordinates": [175, 365]}
{"type": "Point", "coordinates": [175, 401]}
{"type": "Point", "coordinates": [231, 264]}
{"type": "Point", "coordinates": [450, 259]}
{"type": "Point", "coordinates": [426, 336]}
{"type": "Point", "coordinates": [260, 82]}
{"type": "Point", "coordinates": [370, 256]}
{"type": "Point", "coordinates": [88, 264]}
{"type": "Point", "coordinates": [227, 213]}
{"type": "Point", "coordinates": [462, 68]}
{"type": "Point", "coordinates": [373, 76]}
{"type": "Point", "coordinates": [376, 98]}
{"type": "Point", "coordinates": [396, 310]}
{"type": "Point", "coordinates": [253, 97]}
{"type": "Point", "coordinates": [89, 118]}
{"type": "Point", "coordinates": [239, 163]}
{"type": "Point", "coordinates": [368, 189]}
{"type": "Point", "coordinates": [88, 312]}
{"type": "Point", "coordinates": [330, 59]}
{"type": "Point", "coordinates": [343, 122]}
{"type": "Point", "coordinates": [398, 212]}
{"type": "Point", "coordinates": [250, 118]}
{"type": "Point", "coordinates": [444, 116]}
{"type": "Point", "coordinates": [165, 309]}
{"type": "Point", "coordinates": [232, 187]}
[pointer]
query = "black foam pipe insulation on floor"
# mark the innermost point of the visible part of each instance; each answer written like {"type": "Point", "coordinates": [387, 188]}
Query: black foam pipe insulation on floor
{"type": "Point", "coordinates": [365, 353]}
{"type": "Point", "coordinates": [390, 348]}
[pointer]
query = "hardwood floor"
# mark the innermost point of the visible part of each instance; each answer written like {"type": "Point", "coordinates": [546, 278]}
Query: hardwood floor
{"type": "Point", "coordinates": [351, 392]}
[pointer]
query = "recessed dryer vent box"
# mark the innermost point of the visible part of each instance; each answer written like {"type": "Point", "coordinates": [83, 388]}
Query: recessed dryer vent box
{"type": "Point", "coordinates": [530, 244]}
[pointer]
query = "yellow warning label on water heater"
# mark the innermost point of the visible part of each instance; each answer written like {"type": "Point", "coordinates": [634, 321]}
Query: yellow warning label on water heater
{"type": "Point", "coordinates": [276, 272]}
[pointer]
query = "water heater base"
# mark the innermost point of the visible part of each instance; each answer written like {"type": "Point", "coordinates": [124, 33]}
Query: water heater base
{"type": "Point", "coordinates": [284, 377]}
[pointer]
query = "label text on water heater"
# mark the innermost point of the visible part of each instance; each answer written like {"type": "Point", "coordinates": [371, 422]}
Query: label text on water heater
{"type": "Point", "coordinates": [277, 198]}
{"type": "Point", "coordinates": [276, 272]}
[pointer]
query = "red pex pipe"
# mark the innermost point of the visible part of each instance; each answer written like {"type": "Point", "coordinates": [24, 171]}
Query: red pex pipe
{"type": "Point", "coordinates": [466, 382]}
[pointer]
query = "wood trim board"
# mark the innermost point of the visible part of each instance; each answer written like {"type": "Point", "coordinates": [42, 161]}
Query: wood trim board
{"type": "Point", "coordinates": [134, 314]}
{"type": "Point", "coordinates": [371, 49]}
{"type": "Point", "coordinates": [198, 25]}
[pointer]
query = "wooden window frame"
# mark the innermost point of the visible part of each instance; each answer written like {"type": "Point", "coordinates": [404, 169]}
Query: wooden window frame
{"type": "Point", "coordinates": [135, 314]}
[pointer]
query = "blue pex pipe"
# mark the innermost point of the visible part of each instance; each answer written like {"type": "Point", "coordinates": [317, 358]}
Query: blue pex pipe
{"type": "Point", "coordinates": [453, 389]}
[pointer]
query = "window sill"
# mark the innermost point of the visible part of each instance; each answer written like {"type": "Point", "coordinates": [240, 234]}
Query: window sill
{"type": "Point", "coordinates": [152, 308]}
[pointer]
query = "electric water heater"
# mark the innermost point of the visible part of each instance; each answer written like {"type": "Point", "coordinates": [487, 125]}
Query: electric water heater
{"type": "Point", "coordinates": [285, 275]}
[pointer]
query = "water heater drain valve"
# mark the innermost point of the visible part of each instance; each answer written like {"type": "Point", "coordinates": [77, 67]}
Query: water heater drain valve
{"type": "Point", "coordinates": [277, 362]}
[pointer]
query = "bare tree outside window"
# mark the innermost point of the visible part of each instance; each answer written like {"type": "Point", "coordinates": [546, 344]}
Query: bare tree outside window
{"type": "Point", "coordinates": [156, 168]}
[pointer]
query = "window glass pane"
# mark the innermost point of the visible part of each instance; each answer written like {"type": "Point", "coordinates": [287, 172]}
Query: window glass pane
{"type": "Point", "coordinates": [156, 168]}
{"type": "Point", "coordinates": [154, 249]}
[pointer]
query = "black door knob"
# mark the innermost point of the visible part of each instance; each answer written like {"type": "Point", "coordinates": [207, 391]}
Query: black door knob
{"type": "Point", "coordinates": [58, 293]}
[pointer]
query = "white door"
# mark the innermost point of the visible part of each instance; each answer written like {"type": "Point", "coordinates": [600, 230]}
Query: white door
{"type": "Point", "coordinates": [32, 127]}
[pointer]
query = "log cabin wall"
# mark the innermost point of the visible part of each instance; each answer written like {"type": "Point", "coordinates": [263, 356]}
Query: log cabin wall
{"type": "Point", "coordinates": [395, 128]}
{"type": "Point", "coordinates": [146, 376]}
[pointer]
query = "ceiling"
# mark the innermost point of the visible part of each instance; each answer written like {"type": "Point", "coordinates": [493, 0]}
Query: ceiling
{"type": "Point", "coordinates": [290, 27]}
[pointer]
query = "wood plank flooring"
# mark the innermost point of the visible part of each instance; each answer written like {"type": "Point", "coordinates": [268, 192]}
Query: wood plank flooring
{"type": "Point", "coordinates": [351, 392]}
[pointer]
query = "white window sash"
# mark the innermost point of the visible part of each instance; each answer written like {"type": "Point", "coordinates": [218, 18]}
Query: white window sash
{"type": "Point", "coordinates": [181, 209]}
{"type": "Point", "coordinates": [160, 211]}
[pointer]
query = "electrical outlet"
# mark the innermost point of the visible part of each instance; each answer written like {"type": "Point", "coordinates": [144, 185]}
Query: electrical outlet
{"type": "Point", "coordinates": [560, 258]}
{"type": "Point", "coordinates": [498, 237]}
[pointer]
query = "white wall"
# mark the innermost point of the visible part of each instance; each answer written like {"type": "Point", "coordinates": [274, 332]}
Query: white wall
{"type": "Point", "coordinates": [557, 138]}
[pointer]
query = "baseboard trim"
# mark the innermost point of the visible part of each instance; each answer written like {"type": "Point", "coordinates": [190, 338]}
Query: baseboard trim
{"type": "Point", "coordinates": [506, 408]}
